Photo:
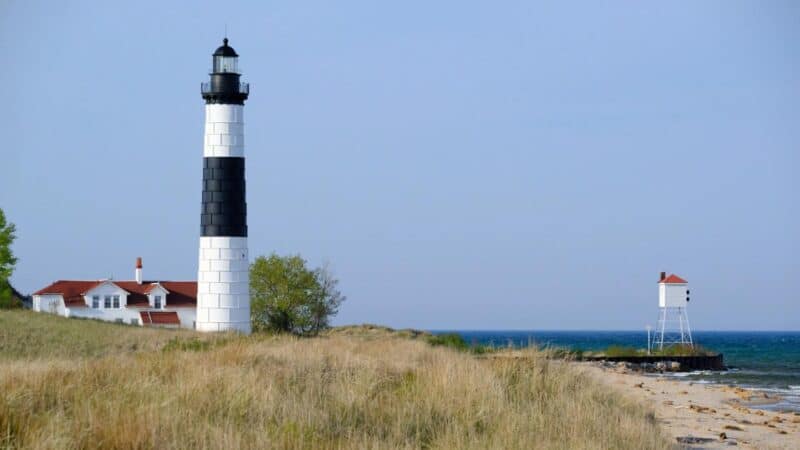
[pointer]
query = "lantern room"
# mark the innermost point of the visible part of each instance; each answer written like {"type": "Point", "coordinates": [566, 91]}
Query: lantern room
{"type": "Point", "coordinates": [223, 86]}
{"type": "Point", "coordinates": [225, 59]}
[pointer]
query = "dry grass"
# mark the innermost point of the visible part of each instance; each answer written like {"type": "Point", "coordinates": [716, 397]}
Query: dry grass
{"type": "Point", "coordinates": [337, 391]}
{"type": "Point", "coordinates": [25, 334]}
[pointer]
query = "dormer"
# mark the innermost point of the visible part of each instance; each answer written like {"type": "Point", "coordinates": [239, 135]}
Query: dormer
{"type": "Point", "coordinates": [157, 296]}
{"type": "Point", "coordinates": [106, 295]}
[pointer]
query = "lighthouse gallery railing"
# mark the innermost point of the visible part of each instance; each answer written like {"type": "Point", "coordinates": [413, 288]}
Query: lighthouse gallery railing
{"type": "Point", "coordinates": [205, 88]}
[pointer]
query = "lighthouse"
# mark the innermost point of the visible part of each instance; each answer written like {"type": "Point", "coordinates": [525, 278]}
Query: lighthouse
{"type": "Point", "coordinates": [223, 298]}
{"type": "Point", "coordinates": [673, 319]}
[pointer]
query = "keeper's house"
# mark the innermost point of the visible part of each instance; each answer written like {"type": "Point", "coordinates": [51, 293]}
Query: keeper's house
{"type": "Point", "coordinates": [146, 303]}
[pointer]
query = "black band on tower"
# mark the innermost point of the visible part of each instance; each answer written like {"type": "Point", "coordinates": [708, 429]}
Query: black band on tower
{"type": "Point", "coordinates": [224, 210]}
{"type": "Point", "coordinates": [225, 88]}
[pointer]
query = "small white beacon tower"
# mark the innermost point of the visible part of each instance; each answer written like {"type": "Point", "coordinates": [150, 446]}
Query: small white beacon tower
{"type": "Point", "coordinates": [673, 320]}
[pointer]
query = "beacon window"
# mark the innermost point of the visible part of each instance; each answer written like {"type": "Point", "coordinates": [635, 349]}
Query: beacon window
{"type": "Point", "coordinates": [225, 64]}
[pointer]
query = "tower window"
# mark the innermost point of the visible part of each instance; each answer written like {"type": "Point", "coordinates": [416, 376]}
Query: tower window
{"type": "Point", "coordinates": [227, 64]}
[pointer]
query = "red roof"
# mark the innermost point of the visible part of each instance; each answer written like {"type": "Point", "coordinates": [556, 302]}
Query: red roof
{"type": "Point", "coordinates": [159, 318]}
{"type": "Point", "coordinates": [673, 279]}
{"type": "Point", "coordinates": [71, 291]}
{"type": "Point", "coordinates": [180, 293]}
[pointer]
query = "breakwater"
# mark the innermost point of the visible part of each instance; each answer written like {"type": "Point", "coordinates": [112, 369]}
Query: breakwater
{"type": "Point", "coordinates": [687, 363]}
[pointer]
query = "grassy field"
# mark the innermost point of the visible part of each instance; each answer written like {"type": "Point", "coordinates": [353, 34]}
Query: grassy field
{"type": "Point", "coordinates": [68, 383]}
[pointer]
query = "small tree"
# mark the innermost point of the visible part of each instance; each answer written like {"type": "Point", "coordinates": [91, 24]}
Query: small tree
{"type": "Point", "coordinates": [326, 299]}
{"type": "Point", "coordinates": [7, 262]}
{"type": "Point", "coordinates": [286, 296]}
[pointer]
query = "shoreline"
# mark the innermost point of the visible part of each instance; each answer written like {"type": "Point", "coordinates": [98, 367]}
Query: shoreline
{"type": "Point", "coordinates": [764, 398]}
{"type": "Point", "coordinates": [705, 415]}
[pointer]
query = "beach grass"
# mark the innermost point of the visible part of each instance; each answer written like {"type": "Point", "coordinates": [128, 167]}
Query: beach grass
{"type": "Point", "coordinates": [67, 383]}
{"type": "Point", "coordinates": [25, 334]}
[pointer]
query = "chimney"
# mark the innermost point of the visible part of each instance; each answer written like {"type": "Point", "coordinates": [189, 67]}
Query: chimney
{"type": "Point", "coordinates": [139, 270]}
{"type": "Point", "coordinates": [663, 276]}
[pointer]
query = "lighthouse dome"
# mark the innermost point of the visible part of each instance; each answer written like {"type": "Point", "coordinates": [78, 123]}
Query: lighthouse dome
{"type": "Point", "coordinates": [225, 50]}
{"type": "Point", "coordinates": [225, 59]}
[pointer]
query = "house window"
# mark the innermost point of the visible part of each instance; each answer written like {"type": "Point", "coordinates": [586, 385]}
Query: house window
{"type": "Point", "coordinates": [95, 301]}
{"type": "Point", "coordinates": [116, 301]}
{"type": "Point", "coordinates": [157, 302]}
{"type": "Point", "coordinates": [107, 301]}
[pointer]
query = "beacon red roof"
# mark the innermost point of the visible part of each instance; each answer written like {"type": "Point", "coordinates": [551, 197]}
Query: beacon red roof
{"type": "Point", "coordinates": [673, 279]}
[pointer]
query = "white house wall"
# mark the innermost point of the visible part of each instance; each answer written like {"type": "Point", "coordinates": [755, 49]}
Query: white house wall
{"type": "Point", "coordinates": [53, 304]}
{"type": "Point", "coordinates": [108, 315]}
{"type": "Point", "coordinates": [187, 316]}
{"type": "Point", "coordinates": [127, 315]}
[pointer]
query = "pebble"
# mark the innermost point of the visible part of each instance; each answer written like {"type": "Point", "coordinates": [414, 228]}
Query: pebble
{"type": "Point", "coordinates": [693, 440]}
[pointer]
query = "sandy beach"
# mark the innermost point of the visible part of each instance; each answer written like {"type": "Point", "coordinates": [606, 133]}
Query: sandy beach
{"type": "Point", "coordinates": [720, 416]}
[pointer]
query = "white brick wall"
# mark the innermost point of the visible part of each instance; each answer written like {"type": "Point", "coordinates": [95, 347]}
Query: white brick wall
{"type": "Point", "coordinates": [223, 284]}
{"type": "Point", "coordinates": [224, 135]}
{"type": "Point", "coordinates": [223, 300]}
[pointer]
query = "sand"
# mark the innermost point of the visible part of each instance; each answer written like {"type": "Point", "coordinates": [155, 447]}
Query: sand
{"type": "Point", "coordinates": [723, 414]}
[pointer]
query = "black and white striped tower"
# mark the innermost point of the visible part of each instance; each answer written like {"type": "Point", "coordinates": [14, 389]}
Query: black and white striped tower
{"type": "Point", "coordinates": [223, 298]}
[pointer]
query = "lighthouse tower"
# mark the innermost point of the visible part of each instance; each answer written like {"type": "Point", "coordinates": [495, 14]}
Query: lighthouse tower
{"type": "Point", "coordinates": [673, 320]}
{"type": "Point", "coordinates": [223, 299]}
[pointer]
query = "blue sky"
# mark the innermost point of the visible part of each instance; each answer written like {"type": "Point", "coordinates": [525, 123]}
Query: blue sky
{"type": "Point", "coordinates": [484, 165]}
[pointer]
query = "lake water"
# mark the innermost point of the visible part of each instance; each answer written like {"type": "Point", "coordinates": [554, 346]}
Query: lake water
{"type": "Point", "coordinates": [767, 361]}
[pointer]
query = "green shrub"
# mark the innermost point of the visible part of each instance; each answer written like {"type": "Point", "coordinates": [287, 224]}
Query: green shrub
{"type": "Point", "coordinates": [451, 340]}
{"type": "Point", "coordinates": [455, 341]}
{"type": "Point", "coordinates": [7, 298]}
{"type": "Point", "coordinates": [192, 344]}
{"type": "Point", "coordinates": [683, 350]}
{"type": "Point", "coordinates": [565, 353]}
{"type": "Point", "coordinates": [622, 350]}
{"type": "Point", "coordinates": [481, 349]}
